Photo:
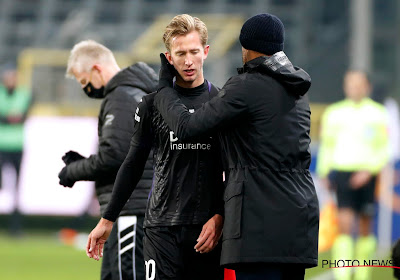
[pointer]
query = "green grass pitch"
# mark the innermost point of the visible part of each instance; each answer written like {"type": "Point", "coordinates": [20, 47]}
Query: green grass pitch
{"type": "Point", "coordinates": [44, 257]}
{"type": "Point", "coordinates": [41, 256]}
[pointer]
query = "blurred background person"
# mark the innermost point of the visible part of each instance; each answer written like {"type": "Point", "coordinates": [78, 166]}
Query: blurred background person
{"type": "Point", "coordinates": [353, 150]}
{"type": "Point", "coordinates": [15, 102]}
{"type": "Point", "coordinates": [96, 70]}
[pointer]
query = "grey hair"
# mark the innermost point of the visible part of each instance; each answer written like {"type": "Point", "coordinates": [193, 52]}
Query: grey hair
{"type": "Point", "coordinates": [85, 54]}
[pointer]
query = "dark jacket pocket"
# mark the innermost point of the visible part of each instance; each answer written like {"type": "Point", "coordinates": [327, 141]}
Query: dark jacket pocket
{"type": "Point", "coordinates": [233, 198]}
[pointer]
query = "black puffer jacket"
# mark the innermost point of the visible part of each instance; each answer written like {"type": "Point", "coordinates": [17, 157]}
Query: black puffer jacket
{"type": "Point", "coordinates": [115, 128]}
{"type": "Point", "coordinates": [263, 118]}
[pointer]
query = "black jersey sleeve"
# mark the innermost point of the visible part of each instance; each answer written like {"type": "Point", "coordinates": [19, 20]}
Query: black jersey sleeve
{"type": "Point", "coordinates": [132, 168]}
{"type": "Point", "coordinates": [222, 109]}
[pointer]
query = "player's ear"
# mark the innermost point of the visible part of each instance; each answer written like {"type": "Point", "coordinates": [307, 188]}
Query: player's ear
{"type": "Point", "coordinates": [97, 67]}
{"type": "Point", "coordinates": [169, 58]}
{"type": "Point", "coordinates": [206, 50]}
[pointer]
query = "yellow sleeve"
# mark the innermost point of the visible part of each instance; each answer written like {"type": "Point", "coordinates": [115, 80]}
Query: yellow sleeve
{"type": "Point", "coordinates": [327, 144]}
{"type": "Point", "coordinates": [381, 144]}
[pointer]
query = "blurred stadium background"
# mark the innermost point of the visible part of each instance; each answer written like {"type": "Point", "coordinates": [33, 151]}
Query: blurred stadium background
{"type": "Point", "coordinates": [324, 37]}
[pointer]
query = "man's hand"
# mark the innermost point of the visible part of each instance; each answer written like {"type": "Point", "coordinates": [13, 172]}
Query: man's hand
{"type": "Point", "coordinates": [166, 74]}
{"type": "Point", "coordinates": [360, 179]}
{"type": "Point", "coordinates": [210, 234]}
{"type": "Point", "coordinates": [97, 238]}
{"type": "Point", "coordinates": [326, 183]}
{"type": "Point", "coordinates": [71, 156]}
{"type": "Point", "coordinates": [64, 179]}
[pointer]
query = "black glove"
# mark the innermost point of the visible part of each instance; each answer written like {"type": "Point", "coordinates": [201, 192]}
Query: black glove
{"type": "Point", "coordinates": [166, 74]}
{"type": "Point", "coordinates": [71, 156]}
{"type": "Point", "coordinates": [64, 180]}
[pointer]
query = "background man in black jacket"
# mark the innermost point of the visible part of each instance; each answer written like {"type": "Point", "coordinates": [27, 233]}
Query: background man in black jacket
{"type": "Point", "coordinates": [183, 220]}
{"type": "Point", "coordinates": [263, 119]}
{"type": "Point", "coordinates": [95, 68]}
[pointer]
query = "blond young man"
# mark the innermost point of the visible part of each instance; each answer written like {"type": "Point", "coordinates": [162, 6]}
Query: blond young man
{"type": "Point", "coordinates": [183, 220]}
{"type": "Point", "coordinates": [95, 68]}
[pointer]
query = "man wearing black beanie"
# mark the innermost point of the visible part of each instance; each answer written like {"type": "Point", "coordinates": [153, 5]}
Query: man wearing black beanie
{"type": "Point", "coordinates": [262, 117]}
{"type": "Point", "coordinates": [263, 33]}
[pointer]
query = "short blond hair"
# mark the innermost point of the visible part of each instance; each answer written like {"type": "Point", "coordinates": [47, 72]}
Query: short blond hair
{"type": "Point", "coordinates": [85, 54]}
{"type": "Point", "coordinates": [183, 24]}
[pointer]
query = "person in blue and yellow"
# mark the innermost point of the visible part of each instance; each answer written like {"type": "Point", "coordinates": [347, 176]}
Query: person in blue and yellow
{"type": "Point", "coordinates": [14, 105]}
{"type": "Point", "coordinates": [353, 150]}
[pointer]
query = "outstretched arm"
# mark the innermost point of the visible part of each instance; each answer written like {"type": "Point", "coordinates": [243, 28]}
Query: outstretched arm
{"type": "Point", "coordinates": [220, 110]}
{"type": "Point", "coordinates": [223, 108]}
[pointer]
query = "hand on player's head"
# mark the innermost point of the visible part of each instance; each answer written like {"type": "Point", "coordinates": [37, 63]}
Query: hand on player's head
{"type": "Point", "coordinates": [166, 74]}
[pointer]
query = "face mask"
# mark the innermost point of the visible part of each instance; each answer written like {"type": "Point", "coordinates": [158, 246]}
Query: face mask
{"type": "Point", "coordinates": [93, 92]}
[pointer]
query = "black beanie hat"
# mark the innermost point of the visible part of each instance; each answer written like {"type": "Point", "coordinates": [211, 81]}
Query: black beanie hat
{"type": "Point", "coordinates": [263, 33]}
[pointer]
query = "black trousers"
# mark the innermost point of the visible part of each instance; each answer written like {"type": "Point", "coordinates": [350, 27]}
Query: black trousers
{"type": "Point", "coordinates": [169, 254]}
{"type": "Point", "coordinates": [361, 200]}
{"type": "Point", "coordinates": [123, 251]}
{"type": "Point", "coordinates": [13, 159]}
{"type": "Point", "coordinates": [265, 271]}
